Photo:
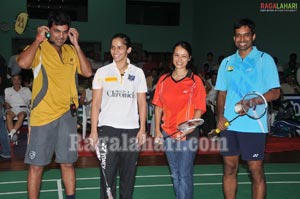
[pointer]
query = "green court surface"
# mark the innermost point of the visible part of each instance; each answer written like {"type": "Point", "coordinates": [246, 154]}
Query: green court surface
{"type": "Point", "coordinates": [283, 181]}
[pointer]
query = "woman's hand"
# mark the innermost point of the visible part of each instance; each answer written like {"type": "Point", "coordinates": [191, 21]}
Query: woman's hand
{"type": "Point", "coordinates": [158, 138]}
{"type": "Point", "coordinates": [93, 138]}
{"type": "Point", "coordinates": [141, 138]}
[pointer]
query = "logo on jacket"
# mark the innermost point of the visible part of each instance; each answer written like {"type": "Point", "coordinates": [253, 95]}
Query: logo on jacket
{"type": "Point", "coordinates": [131, 77]}
{"type": "Point", "coordinates": [230, 68]}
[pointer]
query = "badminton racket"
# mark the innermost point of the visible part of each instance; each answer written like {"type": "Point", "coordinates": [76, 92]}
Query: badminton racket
{"type": "Point", "coordinates": [98, 149]}
{"type": "Point", "coordinates": [184, 127]}
{"type": "Point", "coordinates": [21, 23]}
{"type": "Point", "coordinates": [253, 104]}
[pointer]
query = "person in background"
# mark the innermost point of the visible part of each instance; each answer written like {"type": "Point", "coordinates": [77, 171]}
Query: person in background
{"type": "Point", "coordinates": [208, 64]}
{"type": "Point", "coordinates": [279, 67]}
{"type": "Point", "coordinates": [107, 59]}
{"type": "Point", "coordinates": [152, 79]}
{"type": "Point", "coordinates": [217, 65]}
{"type": "Point", "coordinates": [292, 61]}
{"type": "Point", "coordinates": [179, 96]}
{"type": "Point", "coordinates": [119, 110]}
{"type": "Point", "coordinates": [290, 86]}
{"type": "Point", "coordinates": [17, 101]}
{"type": "Point", "coordinates": [247, 70]}
{"type": "Point", "coordinates": [4, 139]}
{"type": "Point", "coordinates": [210, 115]}
{"type": "Point", "coordinates": [13, 67]}
{"type": "Point", "coordinates": [53, 118]}
{"type": "Point", "coordinates": [86, 96]}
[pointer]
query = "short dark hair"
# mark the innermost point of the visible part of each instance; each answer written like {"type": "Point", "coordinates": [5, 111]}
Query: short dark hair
{"type": "Point", "coordinates": [126, 39]}
{"type": "Point", "coordinates": [58, 18]}
{"type": "Point", "coordinates": [17, 75]}
{"type": "Point", "coordinates": [244, 22]}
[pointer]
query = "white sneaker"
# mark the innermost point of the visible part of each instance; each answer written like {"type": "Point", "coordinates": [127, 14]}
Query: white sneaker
{"type": "Point", "coordinates": [13, 135]}
{"type": "Point", "coordinates": [15, 138]}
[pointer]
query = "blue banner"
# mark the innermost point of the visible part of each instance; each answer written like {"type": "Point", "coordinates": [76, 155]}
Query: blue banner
{"type": "Point", "coordinates": [295, 100]}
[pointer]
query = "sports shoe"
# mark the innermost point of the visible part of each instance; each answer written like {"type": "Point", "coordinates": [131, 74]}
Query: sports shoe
{"type": "Point", "coordinates": [13, 135]}
{"type": "Point", "coordinates": [5, 156]}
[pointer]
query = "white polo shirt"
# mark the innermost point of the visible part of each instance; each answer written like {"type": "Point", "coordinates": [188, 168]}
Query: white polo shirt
{"type": "Point", "coordinates": [119, 108]}
{"type": "Point", "coordinates": [17, 98]}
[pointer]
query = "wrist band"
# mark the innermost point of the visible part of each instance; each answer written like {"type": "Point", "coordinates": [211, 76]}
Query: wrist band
{"type": "Point", "coordinates": [39, 38]}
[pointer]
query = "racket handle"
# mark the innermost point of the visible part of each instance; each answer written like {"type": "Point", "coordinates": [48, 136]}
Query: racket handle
{"type": "Point", "coordinates": [219, 131]}
{"type": "Point", "coordinates": [227, 124]}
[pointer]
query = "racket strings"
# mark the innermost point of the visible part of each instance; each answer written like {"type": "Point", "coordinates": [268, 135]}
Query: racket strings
{"type": "Point", "coordinates": [254, 106]}
{"type": "Point", "coordinates": [186, 126]}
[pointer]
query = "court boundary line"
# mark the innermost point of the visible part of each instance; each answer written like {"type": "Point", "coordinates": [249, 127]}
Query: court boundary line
{"type": "Point", "coordinates": [154, 176]}
{"type": "Point", "coordinates": [59, 189]}
{"type": "Point", "coordinates": [154, 185]}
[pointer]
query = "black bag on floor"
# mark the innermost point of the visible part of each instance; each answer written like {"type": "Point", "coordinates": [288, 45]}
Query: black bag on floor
{"type": "Point", "coordinates": [285, 110]}
{"type": "Point", "coordinates": [286, 128]}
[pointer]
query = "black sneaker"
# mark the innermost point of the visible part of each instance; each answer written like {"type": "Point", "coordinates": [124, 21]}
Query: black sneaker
{"type": "Point", "coordinates": [5, 157]}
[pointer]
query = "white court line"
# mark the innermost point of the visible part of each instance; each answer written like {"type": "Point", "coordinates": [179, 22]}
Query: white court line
{"type": "Point", "coordinates": [220, 174]}
{"type": "Point", "coordinates": [59, 189]}
{"type": "Point", "coordinates": [156, 185]}
{"type": "Point", "coordinates": [154, 176]}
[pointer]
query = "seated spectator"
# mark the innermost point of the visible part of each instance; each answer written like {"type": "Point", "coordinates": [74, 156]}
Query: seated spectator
{"type": "Point", "coordinates": [279, 67]}
{"type": "Point", "coordinates": [147, 63]}
{"type": "Point", "coordinates": [151, 79]}
{"type": "Point", "coordinates": [216, 66]}
{"type": "Point", "coordinates": [211, 96]}
{"type": "Point", "coordinates": [209, 116]}
{"type": "Point", "coordinates": [86, 97]}
{"type": "Point", "coordinates": [290, 86]}
{"type": "Point", "coordinates": [4, 141]}
{"type": "Point", "coordinates": [13, 67]}
{"type": "Point", "coordinates": [293, 60]}
{"type": "Point", "coordinates": [27, 78]}
{"type": "Point", "coordinates": [292, 69]}
{"type": "Point", "coordinates": [17, 100]}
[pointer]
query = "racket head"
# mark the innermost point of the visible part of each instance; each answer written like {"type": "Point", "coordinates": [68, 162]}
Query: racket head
{"type": "Point", "coordinates": [254, 105]}
{"type": "Point", "coordinates": [21, 22]}
{"type": "Point", "coordinates": [189, 124]}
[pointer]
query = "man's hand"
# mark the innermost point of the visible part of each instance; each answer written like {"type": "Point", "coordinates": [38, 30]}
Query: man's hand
{"type": "Point", "coordinates": [41, 33]}
{"type": "Point", "coordinates": [73, 36]}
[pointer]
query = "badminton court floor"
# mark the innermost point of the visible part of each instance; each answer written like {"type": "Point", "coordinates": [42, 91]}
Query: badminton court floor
{"type": "Point", "coordinates": [283, 181]}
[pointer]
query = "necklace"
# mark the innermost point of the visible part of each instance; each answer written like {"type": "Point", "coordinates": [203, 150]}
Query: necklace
{"type": "Point", "coordinates": [123, 69]}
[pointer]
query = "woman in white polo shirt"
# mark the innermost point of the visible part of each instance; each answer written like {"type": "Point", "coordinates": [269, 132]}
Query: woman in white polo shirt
{"type": "Point", "coordinates": [118, 117]}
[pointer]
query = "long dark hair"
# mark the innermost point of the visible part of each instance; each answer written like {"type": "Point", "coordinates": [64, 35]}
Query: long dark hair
{"type": "Point", "coordinates": [187, 47]}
